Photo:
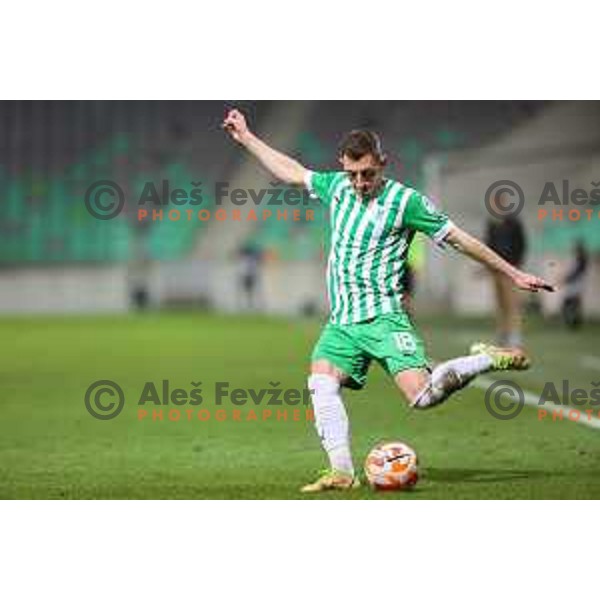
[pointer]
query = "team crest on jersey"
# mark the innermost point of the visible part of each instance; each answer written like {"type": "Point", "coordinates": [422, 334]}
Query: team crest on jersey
{"type": "Point", "coordinates": [378, 218]}
{"type": "Point", "coordinates": [377, 213]}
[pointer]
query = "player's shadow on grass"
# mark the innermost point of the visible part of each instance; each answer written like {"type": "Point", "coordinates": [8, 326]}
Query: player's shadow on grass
{"type": "Point", "coordinates": [452, 475]}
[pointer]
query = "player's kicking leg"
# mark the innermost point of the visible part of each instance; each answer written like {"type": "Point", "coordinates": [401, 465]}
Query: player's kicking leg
{"type": "Point", "coordinates": [424, 390]}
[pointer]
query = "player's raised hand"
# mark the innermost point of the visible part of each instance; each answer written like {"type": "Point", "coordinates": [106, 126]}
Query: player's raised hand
{"type": "Point", "coordinates": [532, 283]}
{"type": "Point", "coordinates": [235, 124]}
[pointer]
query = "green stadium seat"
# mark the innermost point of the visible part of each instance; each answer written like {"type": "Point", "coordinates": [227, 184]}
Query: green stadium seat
{"type": "Point", "coordinates": [61, 229]}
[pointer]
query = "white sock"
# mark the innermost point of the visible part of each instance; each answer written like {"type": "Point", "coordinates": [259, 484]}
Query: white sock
{"type": "Point", "coordinates": [331, 421]}
{"type": "Point", "coordinates": [466, 367]}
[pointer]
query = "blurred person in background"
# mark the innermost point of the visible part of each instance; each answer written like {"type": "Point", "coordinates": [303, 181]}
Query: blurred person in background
{"type": "Point", "coordinates": [506, 236]}
{"type": "Point", "coordinates": [250, 262]}
{"type": "Point", "coordinates": [407, 280]}
{"type": "Point", "coordinates": [574, 282]}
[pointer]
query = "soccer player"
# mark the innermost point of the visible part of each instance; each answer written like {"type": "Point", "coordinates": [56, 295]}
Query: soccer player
{"type": "Point", "coordinates": [373, 222]}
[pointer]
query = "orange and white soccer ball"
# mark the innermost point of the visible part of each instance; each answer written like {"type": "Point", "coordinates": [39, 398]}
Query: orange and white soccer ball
{"type": "Point", "coordinates": [392, 466]}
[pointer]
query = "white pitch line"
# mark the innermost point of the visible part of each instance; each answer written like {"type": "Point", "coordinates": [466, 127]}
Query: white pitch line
{"type": "Point", "coordinates": [532, 400]}
{"type": "Point", "coordinates": [592, 362]}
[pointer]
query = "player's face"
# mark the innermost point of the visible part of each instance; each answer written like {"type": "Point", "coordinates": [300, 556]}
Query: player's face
{"type": "Point", "coordinates": [366, 174]}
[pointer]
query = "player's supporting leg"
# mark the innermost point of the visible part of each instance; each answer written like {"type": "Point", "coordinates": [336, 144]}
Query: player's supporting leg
{"type": "Point", "coordinates": [425, 390]}
{"type": "Point", "coordinates": [331, 420]}
{"type": "Point", "coordinates": [333, 428]}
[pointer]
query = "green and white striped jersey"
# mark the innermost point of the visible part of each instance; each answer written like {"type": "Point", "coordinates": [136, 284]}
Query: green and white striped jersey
{"type": "Point", "coordinates": [370, 242]}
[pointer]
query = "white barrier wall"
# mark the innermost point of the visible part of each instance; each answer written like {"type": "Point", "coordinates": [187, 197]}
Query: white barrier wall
{"type": "Point", "coordinates": [81, 289]}
{"type": "Point", "coordinates": [470, 289]}
{"type": "Point", "coordinates": [283, 287]}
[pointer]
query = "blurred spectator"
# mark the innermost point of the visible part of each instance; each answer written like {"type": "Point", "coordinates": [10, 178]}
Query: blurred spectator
{"type": "Point", "coordinates": [407, 282]}
{"type": "Point", "coordinates": [506, 236]}
{"type": "Point", "coordinates": [573, 282]}
{"type": "Point", "coordinates": [250, 258]}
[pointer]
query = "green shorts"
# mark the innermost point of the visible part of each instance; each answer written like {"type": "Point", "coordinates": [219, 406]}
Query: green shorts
{"type": "Point", "coordinates": [390, 339]}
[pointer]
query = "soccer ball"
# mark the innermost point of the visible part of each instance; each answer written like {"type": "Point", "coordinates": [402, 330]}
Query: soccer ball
{"type": "Point", "coordinates": [392, 466]}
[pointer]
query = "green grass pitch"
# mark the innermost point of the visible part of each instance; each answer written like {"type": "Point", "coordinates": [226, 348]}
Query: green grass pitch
{"type": "Point", "coordinates": [50, 447]}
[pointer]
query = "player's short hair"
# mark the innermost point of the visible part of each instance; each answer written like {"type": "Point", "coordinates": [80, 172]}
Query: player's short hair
{"type": "Point", "coordinates": [359, 143]}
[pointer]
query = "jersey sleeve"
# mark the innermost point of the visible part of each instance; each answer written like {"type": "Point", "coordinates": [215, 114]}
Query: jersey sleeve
{"type": "Point", "coordinates": [421, 215]}
{"type": "Point", "coordinates": [322, 185]}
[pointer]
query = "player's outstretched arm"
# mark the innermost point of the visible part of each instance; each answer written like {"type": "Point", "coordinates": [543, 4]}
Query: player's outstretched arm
{"type": "Point", "coordinates": [477, 250]}
{"type": "Point", "coordinates": [282, 167]}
